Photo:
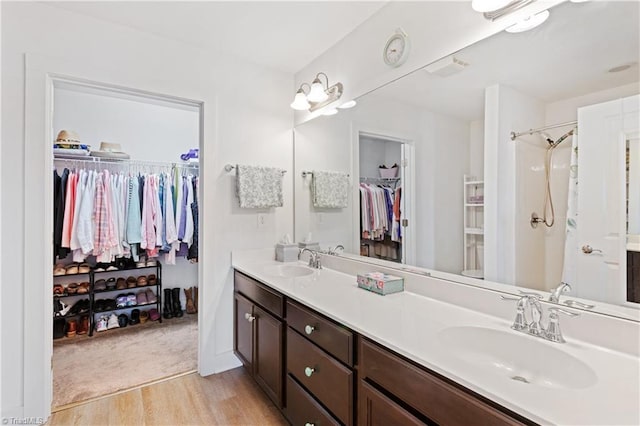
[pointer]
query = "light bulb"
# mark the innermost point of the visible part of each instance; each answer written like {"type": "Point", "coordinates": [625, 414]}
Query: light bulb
{"type": "Point", "coordinates": [488, 5]}
{"type": "Point", "coordinates": [300, 102]}
{"type": "Point", "coordinates": [317, 93]}
{"type": "Point", "coordinates": [528, 23]}
{"type": "Point", "coordinates": [348, 104]}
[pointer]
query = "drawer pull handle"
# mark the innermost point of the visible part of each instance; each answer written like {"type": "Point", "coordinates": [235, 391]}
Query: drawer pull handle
{"type": "Point", "coordinates": [308, 371]}
{"type": "Point", "coordinates": [249, 317]}
{"type": "Point", "coordinates": [309, 424]}
{"type": "Point", "coordinates": [309, 329]}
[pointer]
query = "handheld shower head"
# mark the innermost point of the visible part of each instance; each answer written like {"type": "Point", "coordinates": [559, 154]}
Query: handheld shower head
{"type": "Point", "coordinates": [547, 137]}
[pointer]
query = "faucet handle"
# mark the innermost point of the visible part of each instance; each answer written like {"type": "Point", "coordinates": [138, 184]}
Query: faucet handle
{"type": "Point", "coordinates": [520, 322]}
{"type": "Point", "coordinates": [530, 293]}
{"type": "Point", "coordinates": [555, 311]}
{"type": "Point", "coordinates": [553, 330]}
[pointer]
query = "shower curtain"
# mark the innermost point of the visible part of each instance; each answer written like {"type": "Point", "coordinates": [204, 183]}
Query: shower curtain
{"type": "Point", "coordinates": [571, 240]}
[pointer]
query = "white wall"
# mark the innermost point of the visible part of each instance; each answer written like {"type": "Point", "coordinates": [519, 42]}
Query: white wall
{"type": "Point", "coordinates": [146, 130]}
{"type": "Point", "coordinates": [240, 124]}
{"type": "Point", "coordinates": [435, 28]}
{"type": "Point", "coordinates": [513, 251]}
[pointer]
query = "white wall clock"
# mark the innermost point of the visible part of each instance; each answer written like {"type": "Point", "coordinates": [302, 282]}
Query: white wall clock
{"type": "Point", "coordinates": [396, 51]}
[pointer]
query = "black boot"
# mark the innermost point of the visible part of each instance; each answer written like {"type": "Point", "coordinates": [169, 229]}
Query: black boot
{"type": "Point", "coordinates": [167, 311]}
{"type": "Point", "coordinates": [177, 308]}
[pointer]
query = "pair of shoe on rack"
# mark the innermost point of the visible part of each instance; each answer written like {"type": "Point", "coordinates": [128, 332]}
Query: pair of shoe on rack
{"type": "Point", "coordinates": [74, 268]}
{"type": "Point", "coordinates": [107, 322]}
{"type": "Point", "coordinates": [70, 328]}
{"type": "Point", "coordinates": [172, 307]}
{"type": "Point", "coordinates": [144, 263]}
{"type": "Point", "coordinates": [61, 308]}
{"type": "Point", "coordinates": [191, 294]}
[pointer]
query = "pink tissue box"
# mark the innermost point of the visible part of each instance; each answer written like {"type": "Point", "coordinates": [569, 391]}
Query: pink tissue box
{"type": "Point", "coordinates": [378, 282]}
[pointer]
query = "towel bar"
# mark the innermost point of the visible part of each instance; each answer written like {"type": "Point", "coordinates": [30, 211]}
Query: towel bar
{"type": "Point", "coordinates": [230, 167]}
{"type": "Point", "coordinates": [307, 173]}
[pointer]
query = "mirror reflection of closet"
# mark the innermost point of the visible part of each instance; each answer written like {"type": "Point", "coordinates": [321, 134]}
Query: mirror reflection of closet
{"type": "Point", "coordinates": [381, 182]}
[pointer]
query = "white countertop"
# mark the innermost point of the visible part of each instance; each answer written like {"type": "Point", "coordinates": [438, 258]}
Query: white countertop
{"type": "Point", "coordinates": [409, 323]}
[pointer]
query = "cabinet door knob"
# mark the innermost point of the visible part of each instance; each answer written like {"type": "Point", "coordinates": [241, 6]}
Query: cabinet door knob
{"type": "Point", "coordinates": [309, 329]}
{"type": "Point", "coordinates": [249, 317]}
{"type": "Point", "coordinates": [308, 371]}
{"type": "Point", "coordinates": [309, 424]}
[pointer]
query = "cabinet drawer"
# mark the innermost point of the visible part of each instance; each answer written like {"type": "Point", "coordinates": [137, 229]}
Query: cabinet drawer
{"type": "Point", "coordinates": [428, 394]}
{"type": "Point", "coordinates": [260, 294]}
{"type": "Point", "coordinates": [375, 409]}
{"type": "Point", "coordinates": [330, 336]}
{"type": "Point", "coordinates": [302, 409]}
{"type": "Point", "coordinates": [329, 381]}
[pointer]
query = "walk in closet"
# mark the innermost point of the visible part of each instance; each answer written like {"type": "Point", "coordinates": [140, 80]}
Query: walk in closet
{"type": "Point", "coordinates": [125, 244]}
{"type": "Point", "coordinates": [381, 198]}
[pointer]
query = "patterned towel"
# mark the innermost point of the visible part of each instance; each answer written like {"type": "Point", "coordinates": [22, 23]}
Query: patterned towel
{"type": "Point", "coordinates": [259, 187]}
{"type": "Point", "coordinates": [330, 189]}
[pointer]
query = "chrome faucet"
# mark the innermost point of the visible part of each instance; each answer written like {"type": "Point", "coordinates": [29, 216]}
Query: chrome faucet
{"type": "Point", "coordinates": [555, 293]}
{"type": "Point", "coordinates": [334, 250]}
{"type": "Point", "coordinates": [535, 327]}
{"type": "Point", "coordinates": [314, 258]}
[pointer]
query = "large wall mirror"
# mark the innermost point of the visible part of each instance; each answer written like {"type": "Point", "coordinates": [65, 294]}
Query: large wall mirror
{"type": "Point", "coordinates": [447, 176]}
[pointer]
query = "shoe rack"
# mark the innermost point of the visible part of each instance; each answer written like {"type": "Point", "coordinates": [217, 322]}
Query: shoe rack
{"type": "Point", "coordinates": [93, 309]}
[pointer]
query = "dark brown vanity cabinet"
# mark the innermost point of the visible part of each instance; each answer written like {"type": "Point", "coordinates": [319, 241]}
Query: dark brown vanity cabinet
{"type": "Point", "coordinates": [259, 334]}
{"type": "Point", "coordinates": [328, 382]}
{"type": "Point", "coordinates": [394, 388]}
{"type": "Point", "coordinates": [320, 362]}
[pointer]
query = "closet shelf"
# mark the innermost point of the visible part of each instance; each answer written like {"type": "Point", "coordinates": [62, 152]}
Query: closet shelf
{"type": "Point", "coordinates": [473, 204]}
{"type": "Point", "coordinates": [123, 269]}
{"type": "Point", "coordinates": [474, 231]}
{"type": "Point", "coordinates": [126, 307]}
{"type": "Point", "coordinates": [94, 161]}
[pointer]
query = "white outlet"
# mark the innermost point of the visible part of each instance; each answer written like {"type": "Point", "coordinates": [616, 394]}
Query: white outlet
{"type": "Point", "coordinates": [262, 220]}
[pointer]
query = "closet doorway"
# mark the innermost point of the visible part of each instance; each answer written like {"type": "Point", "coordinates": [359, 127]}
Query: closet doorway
{"type": "Point", "coordinates": [385, 196]}
{"type": "Point", "coordinates": [128, 316]}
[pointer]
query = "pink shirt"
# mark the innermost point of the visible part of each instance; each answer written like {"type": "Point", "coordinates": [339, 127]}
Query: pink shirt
{"type": "Point", "coordinates": [69, 207]}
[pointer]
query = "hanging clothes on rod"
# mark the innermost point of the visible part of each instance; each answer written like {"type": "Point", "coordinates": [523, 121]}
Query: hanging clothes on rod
{"type": "Point", "coordinates": [379, 205]}
{"type": "Point", "coordinates": [124, 210]}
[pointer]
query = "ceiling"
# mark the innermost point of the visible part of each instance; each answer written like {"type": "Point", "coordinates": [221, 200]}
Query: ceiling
{"type": "Point", "coordinates": [283, 35]}
{"type": "Point", "coordinates": [568, 56]}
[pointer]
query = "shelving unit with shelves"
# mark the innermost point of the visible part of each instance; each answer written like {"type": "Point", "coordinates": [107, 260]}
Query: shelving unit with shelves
{"type": "Point", "coordinates": [473, 231]}
{"type": "Point", "coordinates": [92, 310]}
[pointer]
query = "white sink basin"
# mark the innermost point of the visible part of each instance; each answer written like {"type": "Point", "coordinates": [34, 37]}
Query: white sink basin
{"type": "Point", "coordinates": [518, 357]}
{"type": "Point", "coordinates": [288, 271]}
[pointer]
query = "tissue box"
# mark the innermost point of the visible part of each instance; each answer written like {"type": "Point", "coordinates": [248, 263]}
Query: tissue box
{"type": "Point", "coordinates": [315, 246]}
{"type": "Point", "coordinates": [287, 252]}
{"type": "Point", "coordinates": [380, 283]}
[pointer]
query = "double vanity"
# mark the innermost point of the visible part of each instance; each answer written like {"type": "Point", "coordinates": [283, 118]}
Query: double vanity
{"type": "Point", "coordinates": [328, 352]}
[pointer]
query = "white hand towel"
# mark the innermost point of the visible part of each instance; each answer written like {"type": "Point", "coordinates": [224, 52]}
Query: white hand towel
{"type": "Point", "coordinates": [330, 189]}
{"type": "Point", "coordinates": [259, 187]}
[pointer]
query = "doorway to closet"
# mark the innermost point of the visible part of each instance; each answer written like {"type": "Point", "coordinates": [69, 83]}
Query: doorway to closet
{"type": "Point", "coordinates": [384, 189]}
{"type": "Point", "coordinates": [125, 274]}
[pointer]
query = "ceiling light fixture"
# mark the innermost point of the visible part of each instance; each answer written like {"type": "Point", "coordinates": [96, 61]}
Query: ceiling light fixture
{"type": "Point", "coordinates": [529, 23]}
{"type": "Point", "coordinates": [317, 96]}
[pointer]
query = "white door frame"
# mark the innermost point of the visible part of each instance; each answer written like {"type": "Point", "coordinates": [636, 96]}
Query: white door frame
{"type": "Point", "coordinates": [40, 78]}
{"type": "Point", "coordinates": [408, 184]}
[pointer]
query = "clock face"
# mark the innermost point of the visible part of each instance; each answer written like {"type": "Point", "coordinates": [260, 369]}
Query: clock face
{"type": "Point", "coordinates": [396, 50]}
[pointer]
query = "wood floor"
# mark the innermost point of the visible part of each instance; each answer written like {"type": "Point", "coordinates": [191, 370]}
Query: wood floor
{"type": "Point", "coordinates": [229, 398]}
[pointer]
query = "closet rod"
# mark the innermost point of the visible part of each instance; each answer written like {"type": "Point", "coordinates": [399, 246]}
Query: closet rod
{"type": "Point", "coordinates": [230, 167]}
{"type": "Point", "coordinates": [515, 135]}
{"type": "Point", "coordinates": [96, 161]}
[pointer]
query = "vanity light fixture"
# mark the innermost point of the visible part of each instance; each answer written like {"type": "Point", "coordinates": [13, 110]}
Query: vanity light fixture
{"type": "Point", "coordinates": [494, 9]}
{"type": "Point", "coordinates": [330, 111]}
{"type": "Point", "coordinates": [317, 95]}
{"type": "Point", "coordinates": [529, 23]}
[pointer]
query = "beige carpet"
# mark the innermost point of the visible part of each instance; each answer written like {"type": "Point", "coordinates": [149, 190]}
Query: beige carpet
{"type": "Point", "coordinates": [88, 367]}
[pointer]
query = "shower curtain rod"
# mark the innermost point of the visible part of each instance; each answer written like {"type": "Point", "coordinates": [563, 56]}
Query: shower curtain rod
{"type": "Point", "coordinates": [515, 135]}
